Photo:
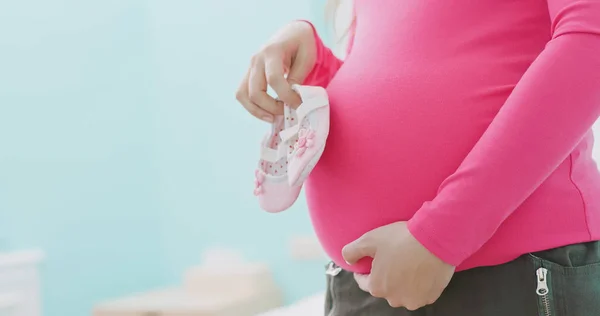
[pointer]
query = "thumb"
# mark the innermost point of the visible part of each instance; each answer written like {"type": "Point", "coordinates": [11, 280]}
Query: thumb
{"type": "Point", "coordinates": [358, 249]}
{"type": "Point", "coordinates": [298, 72]}
{"type": "Point", "coordinates": [296, 75]}
{"type": "Point", "coordinates": [302, 64]}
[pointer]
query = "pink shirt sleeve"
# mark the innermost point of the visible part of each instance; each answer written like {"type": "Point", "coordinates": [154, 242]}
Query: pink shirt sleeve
{"type": "Point", "coordinates": [550, 110]}
{"type": "Point", "coordinates": [327, 64]}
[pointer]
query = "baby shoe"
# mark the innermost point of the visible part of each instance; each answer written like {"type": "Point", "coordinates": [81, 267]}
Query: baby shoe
{"type": "Point", "coordinates": [271, 184]}
{"type": "Point", "coordinates": [307, 134]}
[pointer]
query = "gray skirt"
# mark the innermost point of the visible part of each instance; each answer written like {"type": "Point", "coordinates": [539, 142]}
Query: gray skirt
{"type": "Point", "coordinates": [563, 281]}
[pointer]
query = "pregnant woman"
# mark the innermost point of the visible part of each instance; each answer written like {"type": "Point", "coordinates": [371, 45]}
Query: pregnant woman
{"type": "Point", "coordinates": [458, 177]}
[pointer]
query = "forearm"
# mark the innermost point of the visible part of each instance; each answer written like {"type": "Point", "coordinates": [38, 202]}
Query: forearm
{"type": "Point", "coordinates": [552, 107]}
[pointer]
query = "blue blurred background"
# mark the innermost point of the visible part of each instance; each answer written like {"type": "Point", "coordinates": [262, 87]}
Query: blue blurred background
{"type": "Point", "coordinates": [123, 151]}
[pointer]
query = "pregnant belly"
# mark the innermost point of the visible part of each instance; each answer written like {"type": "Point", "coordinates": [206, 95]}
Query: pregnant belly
{"type": "Point", "coordinates": [388, 152]}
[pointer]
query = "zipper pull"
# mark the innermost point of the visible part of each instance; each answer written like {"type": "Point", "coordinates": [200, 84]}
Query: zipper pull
{"type": "Point", "coordinates": [333, 270]}
{"type": "Point", "coordinates": [542, 281]}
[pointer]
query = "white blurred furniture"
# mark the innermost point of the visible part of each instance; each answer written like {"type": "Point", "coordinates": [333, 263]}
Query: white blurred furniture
{"type": "Point", "coordinates": [313, 305]}
{"type": "Point", "coordinates": [224, 285]}
{"type": "Point", "coordinates": [178, 302]}
{"type": "Point", "coordinates": [20, 283]}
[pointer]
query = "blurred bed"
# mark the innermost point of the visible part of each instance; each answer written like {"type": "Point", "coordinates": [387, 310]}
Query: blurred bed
{"type": "Point", "coordinates": [309, 306]}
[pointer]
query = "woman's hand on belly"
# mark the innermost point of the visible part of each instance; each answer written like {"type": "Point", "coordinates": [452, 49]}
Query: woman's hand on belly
{"type": "Point", "coordinates": [404, 272]}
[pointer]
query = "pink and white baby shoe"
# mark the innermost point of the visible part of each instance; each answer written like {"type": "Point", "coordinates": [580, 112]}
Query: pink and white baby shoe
{"type": "Point", "coordinates": [292, 148]}
{"type": "Point", "coordinates": [271, 184]}
{"type": "Point", "coordinates": [308, 132]}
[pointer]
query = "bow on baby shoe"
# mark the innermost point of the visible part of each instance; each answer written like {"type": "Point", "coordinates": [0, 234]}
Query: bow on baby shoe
{"type": "Point", "coordinates": [259, 178]}
{"type": "Point", "coordinates": [305, 140]}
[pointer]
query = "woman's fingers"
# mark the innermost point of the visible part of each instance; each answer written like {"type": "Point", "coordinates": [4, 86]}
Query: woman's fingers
{"type": "Point", "coordinates": [257, 86]}
{"type": "Point", "coordinates": [363, 281]}
{"type": "Point", "coordinates": [300, 68]}
{"type": "Point", "coordinates": [270, 69]}
{"type": "Point", "coordinates": [275, 75]}
{"type": "Point", "coordinates": [286, 60]}
{"type": "Point", "coordinates": [243, 96]}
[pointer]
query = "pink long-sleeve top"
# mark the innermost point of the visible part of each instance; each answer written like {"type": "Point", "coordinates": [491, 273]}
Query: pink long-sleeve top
{"type": "Point", "coordinates": [469, 119]}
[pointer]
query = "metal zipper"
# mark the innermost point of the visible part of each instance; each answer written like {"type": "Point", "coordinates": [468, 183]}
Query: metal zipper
{"type": "Point", "coordinates": [543, 291]}
{"type": "Point", "coordinates": [332, 272]}
{"type": "Point", "coordinates": [332, 269]}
